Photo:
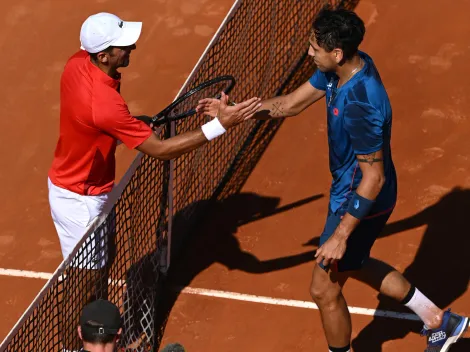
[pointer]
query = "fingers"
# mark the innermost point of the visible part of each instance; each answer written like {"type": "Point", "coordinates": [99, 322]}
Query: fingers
{"type": "Point", "coordinates": [250, 114]}
{"type": "Point", "coordinates": [224, 98]}
{"type": "Point", "coordinates": [245, 106]}
{"type": "Point", "coordinates": [202, 108]}
{"type": "Point", "coordinates": [206, 101]}
{"type": "Point", "coordinates": [318, 255]}
{"type": "Point", "coordinates": [202, 104]}
{"type": "Point", "coordinates": [323, 258]}
{"type": "Point", "coordinates": [205, 105]}
{"type": "Point", "coordinates": [252, 110]}
{"type": "Point", "coordinates": [318, 251]}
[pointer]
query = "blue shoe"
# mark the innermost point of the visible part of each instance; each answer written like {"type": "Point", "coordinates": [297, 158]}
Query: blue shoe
{"type": "Point", "coordinates": [451, 329]}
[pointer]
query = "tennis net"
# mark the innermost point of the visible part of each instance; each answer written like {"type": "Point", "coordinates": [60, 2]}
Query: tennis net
{"type": "Point", "coordinates": [263, 44]}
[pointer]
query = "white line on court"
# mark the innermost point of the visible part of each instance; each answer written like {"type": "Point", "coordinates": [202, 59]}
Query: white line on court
{"type": "Point", "coordinates": [25, 273]}
{"type": "Point", "coordinates": [293, 303]}
{"type": "Point", "coordinates": [234, 296]}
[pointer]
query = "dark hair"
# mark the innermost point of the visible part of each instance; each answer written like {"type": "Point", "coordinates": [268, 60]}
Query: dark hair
{"type": "Point", "coordinates": [94, 56]}
{"type": "Point", "coordinates": [92, 336]}
{"type": "Point", "coordinates": [341, 29]}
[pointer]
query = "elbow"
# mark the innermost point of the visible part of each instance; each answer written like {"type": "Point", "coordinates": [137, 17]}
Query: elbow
{"type": "Point", "coordinates": [380, 181]}
{"type": "Point", "coordinates": [157, 149]}
{"type": "Point", "coordinates": [163, 156]}
{"type": "Point", "coordinates": [374, 182]}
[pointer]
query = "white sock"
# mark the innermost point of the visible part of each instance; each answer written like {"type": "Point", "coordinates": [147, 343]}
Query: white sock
{"type": "Point", "coordinates": [423, 307]}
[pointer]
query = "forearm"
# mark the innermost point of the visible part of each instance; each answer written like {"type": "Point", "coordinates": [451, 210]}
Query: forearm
{"type": "Point", "coordinates": [175, 146]}
{"type": "Point", "coordinates": [275, 108]}
{"type": "Point", "coordinates": [369, 188]}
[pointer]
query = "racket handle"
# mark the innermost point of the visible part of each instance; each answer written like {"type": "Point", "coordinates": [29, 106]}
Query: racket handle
{"type": "Point", "coordinates": [145, 119]}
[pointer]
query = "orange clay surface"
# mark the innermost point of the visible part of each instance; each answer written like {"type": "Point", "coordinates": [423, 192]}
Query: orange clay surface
{"type": "Point", "coordinates": [422, 52]}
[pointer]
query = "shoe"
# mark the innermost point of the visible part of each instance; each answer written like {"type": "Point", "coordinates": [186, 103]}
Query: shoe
{"type": "Point", "coordinates": [451, 329]}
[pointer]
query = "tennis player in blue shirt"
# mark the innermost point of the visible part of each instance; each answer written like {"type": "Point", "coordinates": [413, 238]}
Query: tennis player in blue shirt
{"type": "Point", "coordinates": [364, 187]}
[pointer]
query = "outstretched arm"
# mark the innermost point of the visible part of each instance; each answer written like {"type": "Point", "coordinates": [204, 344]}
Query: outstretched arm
{"type": "Point", "coordinates": [283, 106]}
{"type": "Point", "coordinates": [175, 146]}
{"type": "Point", "coordinates": [289, 105]}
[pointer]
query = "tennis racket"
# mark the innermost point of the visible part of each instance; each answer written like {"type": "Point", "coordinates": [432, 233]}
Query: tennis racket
{"type": "Point", "coordinates": [185, 106]}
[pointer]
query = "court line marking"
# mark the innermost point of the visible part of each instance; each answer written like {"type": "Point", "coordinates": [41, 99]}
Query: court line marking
{"type": "Point", "coordinates": [293, 303]}
{"type": "Point", "coordinates": [235, 296]}
{"type": "Point", "coordinates": [25, 273]}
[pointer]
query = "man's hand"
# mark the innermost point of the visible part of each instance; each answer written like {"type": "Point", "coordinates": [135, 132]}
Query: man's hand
{"type": "Point", "coordinates": [332, 250]}
{"type": "Point", "coordinates": [228, 115]}
{"type": "Point", "coordinates": [148, 121]}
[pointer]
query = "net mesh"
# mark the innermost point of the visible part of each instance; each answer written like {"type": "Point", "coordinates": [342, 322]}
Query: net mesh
{"type": "Point", "coordinates": [124, 256]}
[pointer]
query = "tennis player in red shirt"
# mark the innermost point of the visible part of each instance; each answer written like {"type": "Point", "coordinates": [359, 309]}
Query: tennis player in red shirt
{"type": "Point", "coordinates": [94, 116]}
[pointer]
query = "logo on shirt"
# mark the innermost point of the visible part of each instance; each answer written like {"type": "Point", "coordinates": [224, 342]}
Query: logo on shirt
{"type": "Point", "coordinates": [356, 204]}
{"type": "Point", "coordinates": [335, 111]}
{"type": "Point", "coordinates": [121, 24]}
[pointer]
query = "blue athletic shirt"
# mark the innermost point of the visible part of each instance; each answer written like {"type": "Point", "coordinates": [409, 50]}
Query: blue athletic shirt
{"type": "Point", "coordinates": [359, 122]}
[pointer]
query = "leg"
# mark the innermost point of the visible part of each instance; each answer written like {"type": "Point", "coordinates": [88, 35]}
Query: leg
{"type": "Point", "coordinates": [393, 284]}
{"type": "Point", "coordinates": [442, 328]}
{"type": "Point", "coordinates": [326, 292]}
{"type": "Point", "coordinates": [327, 284]}
{"type": "Point", "coordinates": [85, 277]}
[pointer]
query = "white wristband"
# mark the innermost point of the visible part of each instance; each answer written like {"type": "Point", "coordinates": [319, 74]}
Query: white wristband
{"type": "Point", "coordinates": [213, 129]}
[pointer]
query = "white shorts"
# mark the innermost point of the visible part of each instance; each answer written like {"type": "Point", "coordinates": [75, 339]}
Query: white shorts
{"type": "Point", "coordinates": [73, 214]}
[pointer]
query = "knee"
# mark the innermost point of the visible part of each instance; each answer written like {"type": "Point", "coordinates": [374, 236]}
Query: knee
{"type": "Point", "coordinates": [324, 294]}
{"type": "Point", "coordinates": [319, 292]}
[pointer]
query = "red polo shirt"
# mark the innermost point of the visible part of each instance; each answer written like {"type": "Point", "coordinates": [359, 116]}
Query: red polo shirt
{"type": "Point", "coordinates": [93, 116]}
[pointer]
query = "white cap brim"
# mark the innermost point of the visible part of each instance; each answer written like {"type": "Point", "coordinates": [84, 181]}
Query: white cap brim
{"type": "Point", "coordinates": [130, 34]}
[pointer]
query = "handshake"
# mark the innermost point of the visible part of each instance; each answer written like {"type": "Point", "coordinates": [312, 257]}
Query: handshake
{"type": "Point", "coordinates": [228, 113]}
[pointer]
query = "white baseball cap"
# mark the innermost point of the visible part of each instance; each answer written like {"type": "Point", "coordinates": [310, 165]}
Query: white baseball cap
{"type": "Point", "coordinates": [103, 30]}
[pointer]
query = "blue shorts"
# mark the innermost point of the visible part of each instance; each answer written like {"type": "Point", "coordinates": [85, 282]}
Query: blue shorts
{"type": "Point", "coordinates": [359, 243]}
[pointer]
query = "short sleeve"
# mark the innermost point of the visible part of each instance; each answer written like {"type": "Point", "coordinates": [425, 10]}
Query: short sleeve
{"type": "Point", "coordinates": [319, 80]}
{"type": "Point", "coordinates": [364, 124]}
{"type": "Point", "coordinates": [114, 118]}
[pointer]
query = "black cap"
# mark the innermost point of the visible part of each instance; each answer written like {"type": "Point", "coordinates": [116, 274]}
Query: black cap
{"type": "Point", "coordinates": [173, 347]}
{"type": "Point", "coordinates": [101, 317]}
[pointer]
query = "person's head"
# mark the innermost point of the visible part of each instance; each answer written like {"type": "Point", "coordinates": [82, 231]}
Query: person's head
{"type": "Point", "coordinates": [335, 38]}
{"type": "Point", "coordinates": [174, 347]}
{"type": "Point", "coordinates": [100, 326]}
{"type": "Point", "coordinates": [109, 40]}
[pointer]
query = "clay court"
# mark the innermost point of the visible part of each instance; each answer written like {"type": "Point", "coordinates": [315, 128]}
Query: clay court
{"type": "Point", "coordinates": [246, 275]}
